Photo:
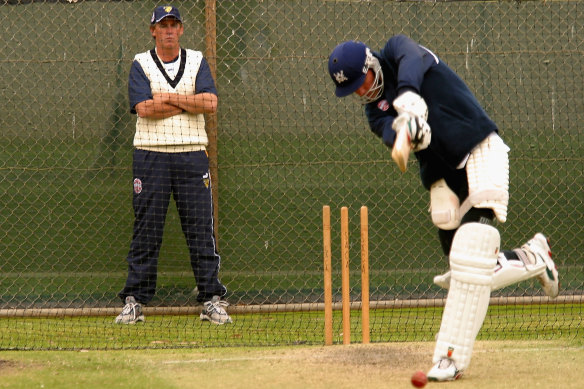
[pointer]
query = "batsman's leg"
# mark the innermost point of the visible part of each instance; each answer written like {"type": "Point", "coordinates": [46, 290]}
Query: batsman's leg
{"type": "Point", "coordinates": [473, 258]}
{"type": "Point", "coordinates": [533, 259]}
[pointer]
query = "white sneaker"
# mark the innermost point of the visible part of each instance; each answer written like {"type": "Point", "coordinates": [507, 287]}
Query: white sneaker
{"type": "Point", "coordinates": [214, 311]}
{"type": "Point", "coordinates": [132, 312]}
{"type": "Point", "coordinates": [539, 251]}
{"type": "Point", "coordinates": [444, 370]}
{"type": "Point", "coordinates": [443, 280]}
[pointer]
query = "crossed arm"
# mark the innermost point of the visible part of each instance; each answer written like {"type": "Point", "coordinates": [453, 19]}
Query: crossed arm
{"type": "Point", "coordinates": [165, 105]}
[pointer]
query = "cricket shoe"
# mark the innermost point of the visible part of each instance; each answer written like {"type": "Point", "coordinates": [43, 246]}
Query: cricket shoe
{"type": "Point", "coordinates": [538, 250]}
{"type": "Point", "coordinates": [444, 370]}
{"type": "Point", "coordinates": [443, 280]}
{"type": "Point", "coordinates": [214, 311]}
{"type": "Point", "coordinates": [132, 312]}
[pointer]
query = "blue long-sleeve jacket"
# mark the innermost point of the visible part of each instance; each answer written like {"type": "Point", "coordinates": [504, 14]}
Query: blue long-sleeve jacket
{"type": "Point", "coordinates": [457, 120]}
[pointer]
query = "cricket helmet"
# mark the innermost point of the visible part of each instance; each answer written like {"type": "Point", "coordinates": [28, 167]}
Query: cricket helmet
{"type": "Point", "coordinates": [348, 65]}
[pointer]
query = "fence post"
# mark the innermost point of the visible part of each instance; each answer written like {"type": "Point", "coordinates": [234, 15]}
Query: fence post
{"type": "Point", "coordinates": [211, 119]}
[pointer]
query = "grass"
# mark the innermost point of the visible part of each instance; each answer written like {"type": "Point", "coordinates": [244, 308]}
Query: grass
{"type": "Point", "coordinates": [515, 322]}
{"type": "Point", "coordinates": [495, 365]}
{"type": "Point", "coordinates": [518, 346]}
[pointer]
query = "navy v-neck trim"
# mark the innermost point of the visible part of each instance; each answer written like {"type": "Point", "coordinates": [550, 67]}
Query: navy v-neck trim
{"type": "Point", "coordinates": [181, 69]}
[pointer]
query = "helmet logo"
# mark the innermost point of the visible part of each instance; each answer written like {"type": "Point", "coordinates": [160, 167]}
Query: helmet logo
{"type": "Point", "coordinates": [340, 77]}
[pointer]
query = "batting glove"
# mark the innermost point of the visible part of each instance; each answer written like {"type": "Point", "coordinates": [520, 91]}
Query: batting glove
{"type": "Point", "coordinates": [411, 103]}
{"type": "Point", "coordinates": [418, 130]}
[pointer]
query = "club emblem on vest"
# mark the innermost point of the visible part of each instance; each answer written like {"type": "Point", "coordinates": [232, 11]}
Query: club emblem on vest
{"type": "Point", "coordinates": [206, 180]}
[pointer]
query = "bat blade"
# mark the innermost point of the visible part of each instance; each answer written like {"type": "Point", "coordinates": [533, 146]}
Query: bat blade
{"type": "Point", "coordinates": [401, 149]}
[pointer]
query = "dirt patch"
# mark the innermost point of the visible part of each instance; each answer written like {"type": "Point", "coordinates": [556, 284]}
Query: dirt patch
{"type": "Point", "coordinates": [395, 356]}
{"type": "Point", "coordinates": [6, 364]}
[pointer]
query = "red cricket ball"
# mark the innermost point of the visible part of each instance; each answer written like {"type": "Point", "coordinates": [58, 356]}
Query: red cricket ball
{"type": "Point", "coordinates": [419, 379]}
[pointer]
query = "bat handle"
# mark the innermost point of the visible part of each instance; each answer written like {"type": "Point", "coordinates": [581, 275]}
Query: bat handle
{"type": "Point", "coordinates": [401, 150]}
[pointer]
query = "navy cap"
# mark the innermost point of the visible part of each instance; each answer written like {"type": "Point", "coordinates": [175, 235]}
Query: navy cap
{"type": "Point", "coordinates": [347, 67]}
{"type": "Point", "coordinates": [164, 11]}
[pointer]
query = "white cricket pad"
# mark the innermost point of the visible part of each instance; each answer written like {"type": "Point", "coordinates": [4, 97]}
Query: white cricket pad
{"type": "Point", "coordinates": [473, 258]}
{"type": "Point", "coordinates": [487, 170]}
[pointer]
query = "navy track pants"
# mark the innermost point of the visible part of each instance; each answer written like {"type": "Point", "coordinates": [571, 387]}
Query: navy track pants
{"type": "Point", "coordinates": [186, 177]}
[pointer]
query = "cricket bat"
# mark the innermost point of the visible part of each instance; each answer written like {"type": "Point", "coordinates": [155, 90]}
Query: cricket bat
{"type": "Point", "coordinates": [401, 149]}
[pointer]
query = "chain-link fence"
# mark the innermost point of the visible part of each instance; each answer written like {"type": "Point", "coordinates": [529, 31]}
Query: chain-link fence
{"type": "Point", "coordinates": [285, 147]}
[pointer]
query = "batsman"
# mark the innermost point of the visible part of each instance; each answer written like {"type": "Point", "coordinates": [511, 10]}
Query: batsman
{"type": "Point", "coordinates": [416, 103]}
